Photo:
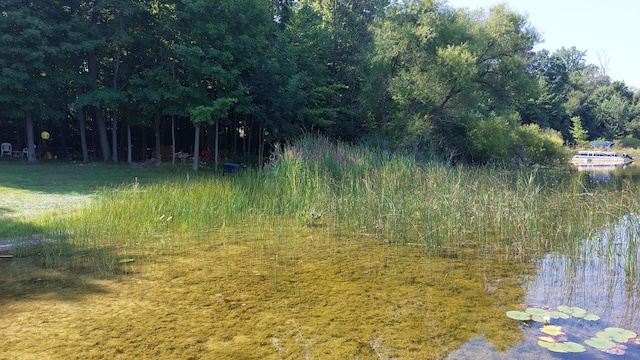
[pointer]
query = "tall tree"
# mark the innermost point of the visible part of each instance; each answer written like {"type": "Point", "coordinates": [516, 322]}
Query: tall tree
{"type": "Point", "coordinates": [444, 69]}
{"type": "Point", "coordinates": [215, 49]}
{"type": "Point", "coordinates": [29, 64]}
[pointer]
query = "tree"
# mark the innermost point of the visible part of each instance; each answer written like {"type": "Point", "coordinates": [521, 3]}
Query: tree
{"type": "Point", "coordinates": [215, 50]}
{"type": "Point", "coordinates": [28, 64]}
{"type": "Point", "coordinates": [579, 134]}
{"type": "Point", "coordinates": [444, 69]}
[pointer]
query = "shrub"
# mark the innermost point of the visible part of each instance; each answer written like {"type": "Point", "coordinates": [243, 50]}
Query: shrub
{"type": "Point", "coordinates": [491, 139]}
{"type": "Point", "coordinates": [537, 146]}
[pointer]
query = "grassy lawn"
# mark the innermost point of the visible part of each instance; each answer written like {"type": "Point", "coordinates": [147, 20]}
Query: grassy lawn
{"type": "Point", "coordinates": [32, 193]}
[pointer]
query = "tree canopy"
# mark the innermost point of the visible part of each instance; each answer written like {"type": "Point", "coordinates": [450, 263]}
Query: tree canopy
{"type": "Point", "coordinates": [112, 77]}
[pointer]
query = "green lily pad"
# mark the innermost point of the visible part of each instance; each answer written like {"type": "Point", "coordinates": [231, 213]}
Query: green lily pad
{"type": "Point", "coordinates": [573, 310]}
{"type": "Point", "coordinates": [552, 330]}
{"type": "Point", "coordinates": [591, 317]}
{"type": "Point", "coordinates": [539, 319]}
{"type": "Point", "coordinates": [600, 343]}
{"type": "Point", "coordinates": [573, 347]}
{"type": "Point", "coordinates": [616, 334]}
{"type": "Point", "coordinates": [548, 345]}
{"type": "Point", "coordinates": [563, 347]}
{"type": "Point", "coordinates": [536, 312]}
{"type": "Point", "coordinates": [518, 315]}
{"type": "Point", "coordinates": [558, 315]}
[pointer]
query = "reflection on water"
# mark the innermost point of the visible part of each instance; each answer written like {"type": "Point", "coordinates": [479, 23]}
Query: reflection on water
{"type": "Point", "coordinates": [601, 275]}
{"type": "Point", "coordinates": [613, 174]}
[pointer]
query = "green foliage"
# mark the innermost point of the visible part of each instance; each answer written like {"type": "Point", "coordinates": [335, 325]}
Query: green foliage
{"type": "Point", "coordinates": [539, 146]}
{"type": "Point", "coordinates": [492, 138]}
{"type": "Point", "coordinates": [443, 65]}
{"type": "Point", "coordinates": [210, 114]}
{"type": "Point", "coordinates": [630, 142]}
{"type": "Point", "coordinates": [579, 134]}
{"type": "Point", "coordinates": [419, 74]}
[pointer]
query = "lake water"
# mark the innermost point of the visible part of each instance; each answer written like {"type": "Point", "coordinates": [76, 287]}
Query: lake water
{"type": "Point", "coordinates": [601, 274]}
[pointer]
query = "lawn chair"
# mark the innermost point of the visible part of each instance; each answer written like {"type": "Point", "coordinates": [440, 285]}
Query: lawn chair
{"type": "Point", "coordinates": [183, 157]}
{"type": "Point", "coordinates": [5, 148]}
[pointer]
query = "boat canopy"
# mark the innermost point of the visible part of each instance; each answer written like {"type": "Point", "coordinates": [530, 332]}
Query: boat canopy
{"type": "Point", "coordinates": [602, 143]}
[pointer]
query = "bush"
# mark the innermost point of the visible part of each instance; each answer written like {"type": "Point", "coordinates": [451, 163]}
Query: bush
{"type": "Point", "coordinates": [630, 142]}
{"type": "Point", "coordinates": [541, 147]}
{"type": "Point", "coordinates": [491, 139]}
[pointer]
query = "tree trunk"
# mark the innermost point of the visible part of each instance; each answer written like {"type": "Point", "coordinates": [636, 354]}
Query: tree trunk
{"type": "Point", "coordinates": [260, 146]}
{"type": "Point", "coordinates": [173, 140]}
{"type": "Point", "coordinates": [114, 137]}
{"type": "Point", "coordinates": [129, 147]}
{"type": "Point", "coordinates": [196, 148]}
{"type": "Point", "coordinates": [158, 150]}
{"type": "Point", "coordinates": [102, 134]}
{"type": "Point", "coordinates": [31, 152]}
{"type": "Point", "coordinates": [83, 134]}
{"type": "Point", "coordinates": [114, 132]}
{"type": "Point", "coordinates": [216, 151]}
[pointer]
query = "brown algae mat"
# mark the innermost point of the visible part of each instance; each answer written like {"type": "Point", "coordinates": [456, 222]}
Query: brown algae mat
{"type": "Point", "coordinates": [303, 295]}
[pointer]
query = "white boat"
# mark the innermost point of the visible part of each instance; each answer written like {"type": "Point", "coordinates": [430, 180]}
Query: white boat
{"type": "Point", "coordinates": [598, 157]}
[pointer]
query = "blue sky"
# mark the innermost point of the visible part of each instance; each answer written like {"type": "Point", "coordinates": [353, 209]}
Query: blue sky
{"type": "Point", "coordinates": [608, 30]}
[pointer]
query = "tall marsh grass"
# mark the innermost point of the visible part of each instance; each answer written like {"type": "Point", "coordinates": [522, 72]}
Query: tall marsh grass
{"type": "Point", "coordinates": [356, 191]}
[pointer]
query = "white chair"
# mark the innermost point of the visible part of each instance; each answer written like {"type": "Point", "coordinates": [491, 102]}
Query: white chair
{"type": "Point", "coordinates": [5, 148]}
{"type": "Point", "coordinates": [25, 152]}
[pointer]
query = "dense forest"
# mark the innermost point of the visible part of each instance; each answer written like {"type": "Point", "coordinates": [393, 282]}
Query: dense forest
{"type": "Point", "coordinates": [112, 80]}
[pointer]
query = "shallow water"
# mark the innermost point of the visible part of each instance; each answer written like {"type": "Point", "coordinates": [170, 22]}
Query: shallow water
{"type": "Point", "coordinates": [281, 295]}
{"type": "Point", "coordinates": [601, 276]}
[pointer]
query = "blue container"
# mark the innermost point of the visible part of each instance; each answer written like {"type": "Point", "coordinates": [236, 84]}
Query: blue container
{"type": "Point", "coordinates": [230, 168]}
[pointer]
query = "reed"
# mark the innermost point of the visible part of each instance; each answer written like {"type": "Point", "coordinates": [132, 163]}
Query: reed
{"type": "Point", "coordinates": [354, 191]}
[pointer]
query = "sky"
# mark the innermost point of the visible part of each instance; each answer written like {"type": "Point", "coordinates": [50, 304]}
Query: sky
{"type": "Point", "coordinates": [608, 30]}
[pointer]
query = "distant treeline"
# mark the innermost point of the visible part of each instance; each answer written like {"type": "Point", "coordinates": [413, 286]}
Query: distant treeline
{"type": "Point", "coordinates": [111, 79]}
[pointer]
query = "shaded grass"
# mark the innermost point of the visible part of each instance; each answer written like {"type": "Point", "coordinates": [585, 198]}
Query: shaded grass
{"type": "Point", "coordinates": [34, 197]}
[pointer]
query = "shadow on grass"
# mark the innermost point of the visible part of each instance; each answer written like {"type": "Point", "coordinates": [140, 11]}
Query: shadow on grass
{"type": "Point", "coordinates": [12, 227]}
{"type": "Point", "coordinates": [67, 177]}
{"type": "Point", "coordinates": [38, 268]}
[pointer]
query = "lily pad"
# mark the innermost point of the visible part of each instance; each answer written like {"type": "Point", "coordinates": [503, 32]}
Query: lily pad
{"type": "Point", "coordinates": [563, 347]}
{"type": "Point", "coordinates": [539, 319]}
{"type": "Point", "coordinates": [591, 317]}
{"type": "Point", "coordinates": [552, 330]}
{"type": "Point", "coordinates": [549, 339]}
{"type": "Point", "coordinates": [619, 349]}
{"type": "Point", "coordinates": [573, 310]}
{"type": "Point", "coordinates": [558, 315]}
{"type": "Point", "coordinates": [518, 315]}
{"type": "Point", "coordinates": [600, 343]}
{"type": "Point", "coordinates": [616, 334]}
{"type": "Point", "coordinates": [536, 312]}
